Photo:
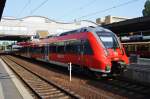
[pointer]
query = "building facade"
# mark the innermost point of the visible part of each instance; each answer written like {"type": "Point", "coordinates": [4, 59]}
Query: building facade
{"type": "Point", "coordinates": [110, 19]}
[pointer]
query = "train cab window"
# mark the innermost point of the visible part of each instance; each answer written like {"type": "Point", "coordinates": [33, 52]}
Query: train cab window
{"type": "Point", "coordinates": [108, 39]}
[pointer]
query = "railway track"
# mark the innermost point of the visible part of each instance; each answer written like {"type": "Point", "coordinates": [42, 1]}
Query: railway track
{"type": "Point", "coordinates": [130, 88]}
{"type": "Point", "coordinates": [42, 88]}
{"type": "Point", "coordinates": [94, 88]}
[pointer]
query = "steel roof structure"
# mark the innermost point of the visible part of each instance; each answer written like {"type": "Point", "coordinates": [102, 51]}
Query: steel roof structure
{"type": "Point", "coordinates": [130, 25]}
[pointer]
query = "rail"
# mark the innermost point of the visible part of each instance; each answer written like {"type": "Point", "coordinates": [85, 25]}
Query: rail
{"type": "Point", "coordinates": [41, 87]}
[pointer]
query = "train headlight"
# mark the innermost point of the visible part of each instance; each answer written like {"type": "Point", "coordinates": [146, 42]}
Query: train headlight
{"type": "Point", "coordinates": [107, 68]}
{"type": "Point", "coordinates": [122, 51]}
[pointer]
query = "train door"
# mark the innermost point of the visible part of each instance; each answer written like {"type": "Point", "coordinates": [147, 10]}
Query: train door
{"type": "Point", "coordinates": [86, 52]}
{"type": "Point", "coordinates": [46, 52]}
{"type": "Point", "coordinates": [28, 53]}
{"type": "Point", "coordinates": [82, 53]}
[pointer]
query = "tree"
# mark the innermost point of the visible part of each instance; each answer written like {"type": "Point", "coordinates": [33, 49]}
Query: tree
{"type": "Point", "coordinates": [146, 10]}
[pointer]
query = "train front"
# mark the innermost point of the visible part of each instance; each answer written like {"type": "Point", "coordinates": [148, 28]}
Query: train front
{"type": "Point", "coordinates": [115, 59]}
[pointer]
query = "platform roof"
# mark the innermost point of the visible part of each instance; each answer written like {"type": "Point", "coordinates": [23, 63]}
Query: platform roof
{"type": "Point", "coordinates": [130, 25]}
{"type": "Point", "coordinates": [15, 38]}
{"type": "Point", "coordinates": [2, 5]}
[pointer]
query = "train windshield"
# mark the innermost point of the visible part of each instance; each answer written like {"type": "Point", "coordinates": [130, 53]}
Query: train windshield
{"type": "Point", "coordinates": [108, 39]}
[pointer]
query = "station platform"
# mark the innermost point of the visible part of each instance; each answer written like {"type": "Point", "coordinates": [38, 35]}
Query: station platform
{"type": "Point", "coordinates": [143, 61]}
{"type": "Point", "coordinates": [10, 86]}
{"type": "Point", "coordinates": [139, 71]}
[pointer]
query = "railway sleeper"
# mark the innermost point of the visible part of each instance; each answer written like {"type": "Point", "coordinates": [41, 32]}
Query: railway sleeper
{"type": "Point", "coordinates": [52, 95]}
{"type": "Point", "coordinates": [39, 85]}
{"type": "Point", "coordinates": [57, 95]}
{"type": "Point", "coordinates": [44, 88]}
{"type": "Point", "coordinates": [49, 91]}
{"type": "Point", "coordinates": [62, 97]}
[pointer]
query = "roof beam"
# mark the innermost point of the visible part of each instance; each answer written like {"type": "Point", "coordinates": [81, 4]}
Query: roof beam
{"type": "Point", "coordinates": [2, 5]}
{"type": "Point", "coordinates": [130, 25]}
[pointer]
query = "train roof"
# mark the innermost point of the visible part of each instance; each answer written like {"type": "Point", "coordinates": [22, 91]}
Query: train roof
{"type": "Point", "coordinates": [85, 29]}
{"type": "Point", "coordinates": [42, 42]}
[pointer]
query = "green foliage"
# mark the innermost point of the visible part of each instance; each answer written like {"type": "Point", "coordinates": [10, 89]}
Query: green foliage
{"type": "Point", "coordinates": [146, 10]}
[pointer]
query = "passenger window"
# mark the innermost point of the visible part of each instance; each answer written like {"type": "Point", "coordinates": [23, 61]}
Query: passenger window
{"type": "Point", "coordinates": [60, 49]}
{"type": "Point", "coordinates": [52, 48]}
{"type": "Point", "coordinates": [42, 50]}
{"type": "Point", "coordinates": [87, 48]}
{"type": "Point", "coordinates": [73, 47]}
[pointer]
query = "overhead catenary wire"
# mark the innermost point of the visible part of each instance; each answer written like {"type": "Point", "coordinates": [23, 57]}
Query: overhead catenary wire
{"type": "Point", "coordinates": [39, 6]}
{"type": "Point", "coordinates": [81, 7]}
{"type": "Point", "coordinates": [25, 6]}
{"type": "Point", "coordinates": [107, 9]}
{"type": "Point", "coordinates": [86, 5]}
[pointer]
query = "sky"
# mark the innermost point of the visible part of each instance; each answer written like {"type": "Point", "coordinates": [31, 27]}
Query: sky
{"type": "Point", "coordinates": [70, 10]}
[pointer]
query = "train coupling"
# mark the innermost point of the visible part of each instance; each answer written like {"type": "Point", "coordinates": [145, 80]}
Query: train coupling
{"type": "Point", "coordinates": [122, 65]}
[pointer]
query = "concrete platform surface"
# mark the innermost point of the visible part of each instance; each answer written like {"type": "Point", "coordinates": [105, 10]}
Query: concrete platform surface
{"type": "Point", "coordinates": [10, 86]}
{"type": "Point", "coordinates": [139, 72]}
{"type": "Point", "coordinates": [144, 61]}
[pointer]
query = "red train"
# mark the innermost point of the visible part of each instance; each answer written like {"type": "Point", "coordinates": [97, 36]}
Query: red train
{"type": "Point", "coordinates": [94, 49]}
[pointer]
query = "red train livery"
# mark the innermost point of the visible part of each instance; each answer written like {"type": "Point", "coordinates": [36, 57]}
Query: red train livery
{"type": "Point", "coordinates": [91, 48]}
